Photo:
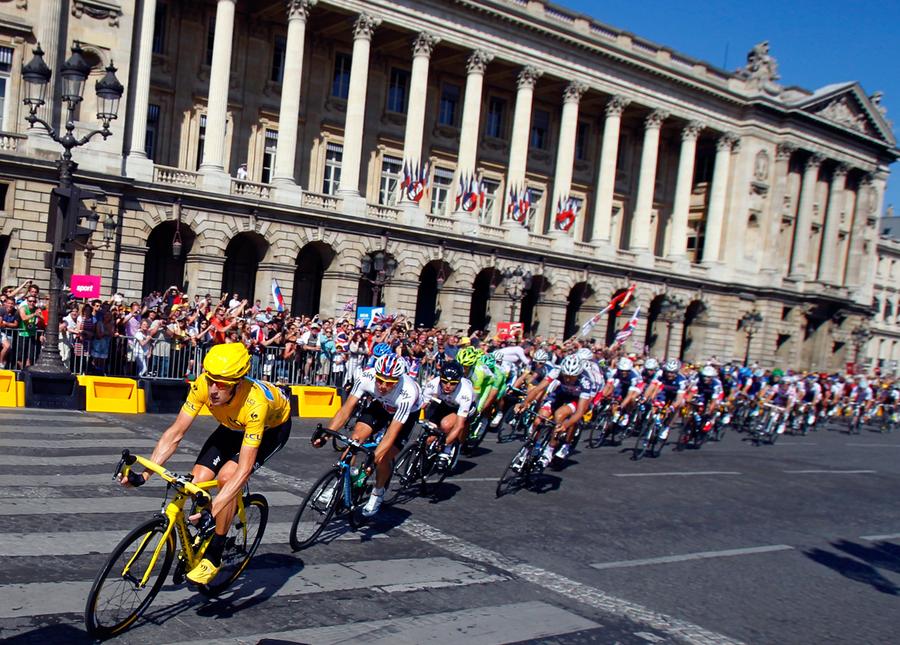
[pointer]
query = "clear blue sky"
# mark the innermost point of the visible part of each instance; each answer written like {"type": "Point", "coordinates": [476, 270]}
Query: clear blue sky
{"type": "Point", "coordinates": [816, 42]}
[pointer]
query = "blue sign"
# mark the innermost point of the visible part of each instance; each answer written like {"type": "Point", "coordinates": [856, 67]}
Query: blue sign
{"type": "Point", "coordinates": [364, 315]}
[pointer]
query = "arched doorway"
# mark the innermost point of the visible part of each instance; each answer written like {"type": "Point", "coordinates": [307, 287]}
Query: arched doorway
{"type": "Point", "coordinates": [312, 261]}
{"type": "Point", "coordinates": [655, 340]}
{"type": "Point", "coordinates": [431, 281]}
{"type": "Point", "coordinates": [578, 295]}
{"type": "Point", "coordinates": [242, 258]}
{"type": "Point", "coordinates": [162, 268]}
{"type": "Point", "coordinates": [482, 288]}
{"type": "Point", "coordinates": [529, 303]}
{"type": "Point", "coordinates": [691, 336]}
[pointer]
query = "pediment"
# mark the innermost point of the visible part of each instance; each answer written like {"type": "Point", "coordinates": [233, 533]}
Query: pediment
{"type": "Point", "coordinates": [848, 106]}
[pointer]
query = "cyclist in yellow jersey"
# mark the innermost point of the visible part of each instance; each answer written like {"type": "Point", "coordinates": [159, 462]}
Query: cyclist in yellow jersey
{"type": "Point", "coordinates": [255, 422]}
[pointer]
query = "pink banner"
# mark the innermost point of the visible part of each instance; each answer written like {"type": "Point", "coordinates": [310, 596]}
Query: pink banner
{"type": "Point", "coordinates": [85, 286]}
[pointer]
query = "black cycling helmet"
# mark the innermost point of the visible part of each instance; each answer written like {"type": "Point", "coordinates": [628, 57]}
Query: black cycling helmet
{"type": "Point", "coordinates": [451, 372]}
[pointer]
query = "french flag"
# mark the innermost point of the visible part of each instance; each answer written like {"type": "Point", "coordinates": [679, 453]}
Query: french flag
{"type": "Point", "coordinates": [277, 298]}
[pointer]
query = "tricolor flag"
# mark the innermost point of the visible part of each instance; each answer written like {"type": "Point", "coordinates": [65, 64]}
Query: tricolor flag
{"type": "Point", "coordinates": [616, 303]}
{"type": "Point", "coordinates": [469, 195]}
{"type": "Point", "coordinates": [625, 333]}
{"type": "Point", "coordinates": [277, 298]}
{"type": "Point", "coordinates": [566, 212]}
{"type": "Point", "coordinates": [350, 305]}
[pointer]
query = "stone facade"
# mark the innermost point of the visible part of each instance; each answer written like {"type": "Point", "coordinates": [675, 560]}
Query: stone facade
{"type": "Point", "coordinates": [724, 190]}
{"type": "Point", "coordinates": [883, 349]}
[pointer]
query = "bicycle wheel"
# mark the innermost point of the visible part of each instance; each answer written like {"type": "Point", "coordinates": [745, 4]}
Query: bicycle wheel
{"type": "Point", "coordinates": [117, 597]}
{"type": "Point", "coordinates": [643, 442]}
{"type": "Point", "coordinates": [244, 537]}
{"type": "Point", "coordinates": [512, 474]}
{"type": "Point", "coordinates": [432, 471]}
{"type": "Point", "coordinates": [316, 509]}
{"type": "Point", "coordinates": [476, 435]}
{"type": "Point", "coordinates": [406, 473]}
{"type": "Point", "coordinates": [507, 428]}
{"type": "Point", "coordinates": [656, 448]}
{"type": "Point", "coordinates": [597, 435]}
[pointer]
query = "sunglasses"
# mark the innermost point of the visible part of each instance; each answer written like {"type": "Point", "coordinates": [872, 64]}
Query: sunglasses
{"type": "Point", "coordinates": [389, 381]}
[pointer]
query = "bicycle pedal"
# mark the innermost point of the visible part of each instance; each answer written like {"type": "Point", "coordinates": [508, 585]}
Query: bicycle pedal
{"type": "Point", "coordinates": [178, 576]}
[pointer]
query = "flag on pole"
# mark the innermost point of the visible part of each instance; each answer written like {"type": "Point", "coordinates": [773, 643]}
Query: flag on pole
{"type": "Point", "coordinates": [277, 298]}
{"type": "Point", "coordinates": [566, 212]}
{"type": "Point", "coordinates": [625, 333]}
{"type": "Point", "coordinates": [616, 303]}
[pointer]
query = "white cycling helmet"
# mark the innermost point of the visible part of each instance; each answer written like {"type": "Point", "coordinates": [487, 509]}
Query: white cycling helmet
{"type": "Point", "coordinates": [497, 354]}
{"type": "Point", "coordinates": [541, 356]}
{"type": "Point", "coordinates": [625, 364]}
{"type": "Point", "coordinates": [708, 371]}
{"type": "Point", "coordinates": [585, 354]}
{"type": "Point", "coordinates": [651, 365]}
{"type": "Point", "coordinates": [572, 365]}
{"type": "Point", "coordinates": [672, 365]}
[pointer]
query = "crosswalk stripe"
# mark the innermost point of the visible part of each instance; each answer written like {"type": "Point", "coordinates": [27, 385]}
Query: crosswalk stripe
{"type": "Point", "coordinates": [79, 460]}
{"type": "Point", "coordinates": [526, 621]}
{"type": "Point", "coordinates": [87, 542]}
{"type": "Point", "coordinates": [684, 557]}
{"type": "Point", "coordinates": [69, 416]}
{"type": "Point", "coordinates": [40, 444]}
{"type": "Point", "coordinates": [69, 429]}
{"type": "Point", "coordinates": [385, 576]}
{"type": "Point", "coordinates": [114, 503]}
{"type": "Point", "coordinates": [67, 480]}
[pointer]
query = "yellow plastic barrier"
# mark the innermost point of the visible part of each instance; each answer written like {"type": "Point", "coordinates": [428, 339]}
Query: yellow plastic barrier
{"type": "Point", "coordinates": [315, 401]}
{"type": "Point", "coordinates": [110, 394]}
{"type": "Point", "coordinates": [12, 392]}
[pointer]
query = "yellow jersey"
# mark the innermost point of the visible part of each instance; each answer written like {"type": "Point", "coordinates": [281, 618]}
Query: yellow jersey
{"type": "Point", "coordinates": [255, 406]}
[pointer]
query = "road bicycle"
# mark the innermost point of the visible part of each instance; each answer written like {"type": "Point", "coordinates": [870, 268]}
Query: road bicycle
{"type": "Point", "coordinates": [768, 424]}
{"type": "Point", "coordinates": [477, 427]}
{"type": "Point", "coordinates": [526, 463]}
{"type": "Point", "coordinates": [696, 428]}
{"type": "Point", "coordinates": [890, 419]}
{"type": "Point", "coordinates": [340, 492]}
{"type": "Point", "coordinates": [419, 463]}
{"type": "Point", "coordinates": [655, 432]}
{"type": "Point", "coordinates": [514, 424]}
{"type": "Point", "coordinates": [137, 568]}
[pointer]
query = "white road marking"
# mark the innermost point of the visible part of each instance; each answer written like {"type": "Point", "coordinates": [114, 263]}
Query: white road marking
{"type": "Point", "coordinates": [70, 429]}
{"type": "Point", "coordinates": [54, 444]}
{"type": "Point", "coordinates": [831, 472]}
{"type": "Point", "coordinates": [873, 445]}
{"type": "Point", "coordinates": [527, 621]}
{"type": "Point", "coordinates": [119, 502]}
{"type": "Point", "coordinates": [471, 479]}
{"type": "Point", "coordinates": [879, 538]}
{"type": "Point", "coordinates": [678, 474]}
{"type": "Point", "coordinates": [376, 576]}
{"type": "Point", "coordinates": [83, 460]}
{"type": "Point", "coordinates": [702, 555]}
{"type": "Point", "coordinates": [67, 480]}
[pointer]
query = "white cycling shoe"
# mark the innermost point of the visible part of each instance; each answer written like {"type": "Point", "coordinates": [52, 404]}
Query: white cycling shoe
{"type": "Point", "coordinates": [563, 451]}
{"type": "Point", "coordinates": [374, 503]}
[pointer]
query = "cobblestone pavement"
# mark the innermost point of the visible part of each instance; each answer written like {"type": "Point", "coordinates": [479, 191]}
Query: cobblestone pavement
{"type": "Point", "coordinates": [793, 543]}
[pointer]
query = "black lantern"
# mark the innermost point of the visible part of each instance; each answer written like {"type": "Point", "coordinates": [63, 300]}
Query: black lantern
{"type": "Point", "coordinates": [37, 76]}
{"type": "Point", "coordinates": [74, 73]}
{"type": "Point", "coordinates": [109, 93]}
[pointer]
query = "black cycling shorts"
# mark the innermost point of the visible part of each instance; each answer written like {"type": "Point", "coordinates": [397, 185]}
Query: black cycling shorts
{"type": "Point", "coordinates": [224, 444]}
{"type": "Point", "coordinates": [377, 418]}
{"type": "Point", "coordinates": [437, 411]}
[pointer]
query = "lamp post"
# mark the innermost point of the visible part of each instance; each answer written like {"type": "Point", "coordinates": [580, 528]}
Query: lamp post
{"type": "Point", "coordinates": [515, 283]}
{"type": "Point", "coordinates": [109, 230]}
{"type": "Point", "coordinates": [860, 335]}
{"type": "Point", "coordinates": [750, 323]}
{"type": "Point", "coordinates": [377, 270]}
{"type": "Point", "coordinates": [670, 313]}
{"type": "Point", "coordinates": [36, 76]}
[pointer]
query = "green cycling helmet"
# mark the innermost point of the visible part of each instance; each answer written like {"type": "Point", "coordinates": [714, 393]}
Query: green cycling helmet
{"type": "Point", "coordinates": [488, 361]}
{"type": "Point", "coordinates": [467, 356]}
{"type": "Point", "coordinates": [778, 373]}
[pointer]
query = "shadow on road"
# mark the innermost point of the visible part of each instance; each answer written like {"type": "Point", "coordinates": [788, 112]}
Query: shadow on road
{"type": "Point", "coordinates": [863, 566]}
{"type": "Point", "coordinates": [51, 634]}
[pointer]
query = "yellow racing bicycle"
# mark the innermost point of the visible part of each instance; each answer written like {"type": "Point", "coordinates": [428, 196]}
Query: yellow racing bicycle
{"type": "Point", "coordinates": [138, 566]}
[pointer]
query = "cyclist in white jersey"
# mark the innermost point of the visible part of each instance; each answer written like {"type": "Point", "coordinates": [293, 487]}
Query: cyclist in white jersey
{"type": "Point", "coordinates": [455, 396]}
{"type": "Point", "coordinates": [396, 401]}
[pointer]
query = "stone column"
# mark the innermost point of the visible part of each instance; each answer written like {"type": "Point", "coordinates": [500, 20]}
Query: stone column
{"type": "Point", "coordinates": [423, 45]}
{"type": "Point", "coordinates": [828, 260]}
{"type": "Point", "coordinates": [284, 274]}
{"type": "Point", "coordinates": [804, 218]}
{"type": "Point", "coordinates": [289, 112]}
{"type": "Point", "coordinates": [204, 272]}
{"type": "Point", "coordinates": [469, 135]}
{"type": "Point", "coordinates": [683, 185]}
{"type": "Point", "coordinates": [455, 303]}
{"type": "Point", "coordinates": [715, 214]}
{"type": "Point", "coordinates": [606, 179]}
{"type": "Point", "coordinates": [136, 164]}
{"type": "Point", "coordinates": [772, 264]}
{"type": "Point", "coordinates": [338, 287]}
{"type": "Point", "coordinates": [217, 102]}
{"type": "Point", "coordinates": [640, 222]}
{"type": "Point", "coordinates": [363, 30]}
{"type": "Point", "coordinates": [521, 131]}
{"type": "Point", "coordinates": [565, 151]}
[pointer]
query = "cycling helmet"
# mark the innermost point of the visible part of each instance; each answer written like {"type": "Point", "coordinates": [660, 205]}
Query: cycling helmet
{"type": "Point", "coordinates": [625, 364]}
{"type": "Point", "coordinates": [585, 354]}
{"type": "Point", "coordinates": [863, 383]}
{"type": "Point", "coordinates": [728, 369]}
{"type": "Point", "coordinates": [381, 349]}
{"type": "Point", "coordinates": [708, 372]}
{"type": "Point", "coordinates": [390, 367]}
{"type": "Point", "coordinates": [651, 365]}
{"type": "Point", "coordinates": [812, 378]}
{"type": "Point", "coordinates": [541, 356]}
{"type": "Point", "coordinates": [672, 365]}
{"type": "Point", "coordinates": [451, 372]}
{"type": "Point", "coordinates": [227, 363]}
{"type": "Point", "coordinates": [571, 365]}
{"type": "Point", "coordinates": [488, 361]}
{"type": "Point", "coordinates": [498, 355]}
{"type": "Point", "coordinates": [467, 356]}
{"type": "Point", "coordinates": [778, 372]}
{"type": "Point", "coordinates": [759, 373]}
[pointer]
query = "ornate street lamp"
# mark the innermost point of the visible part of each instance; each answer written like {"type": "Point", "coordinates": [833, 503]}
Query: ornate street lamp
{"type": "Point", "coordinates": [74, 73]}
{"type": "Point", "coordinates": [860, 335]}
{"type": "Point", "coordinates": [670, 312]}
{"type": "Point", "coordinates": [750, 322]}
{"type": "Point", "coordinates": [383, 266]}
{"type": "Point", "coordinates": [515, 283]}
{"type": "Point", "coordinates": [109, 230]}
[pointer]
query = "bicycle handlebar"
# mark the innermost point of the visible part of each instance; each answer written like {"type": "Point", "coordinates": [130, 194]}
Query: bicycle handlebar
{"type": "Point", "coordinates": [180, 482]}
{"type": "Point", "coordinates": [350, 443]}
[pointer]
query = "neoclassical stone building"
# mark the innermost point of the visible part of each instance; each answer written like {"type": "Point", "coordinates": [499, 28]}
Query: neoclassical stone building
{"type": "Point", "coordinates": [725, 191]}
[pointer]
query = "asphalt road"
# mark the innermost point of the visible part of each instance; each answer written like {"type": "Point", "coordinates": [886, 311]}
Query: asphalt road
{"type": "Point", "coordinates": [793, 543]}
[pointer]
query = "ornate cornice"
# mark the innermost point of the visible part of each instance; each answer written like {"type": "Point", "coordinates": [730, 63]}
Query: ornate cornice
{"type": "Point", "coordinates": [478, 61]}
{"type": "Point", "coordinates": [574, 92]}
{"type": "Point", "coordinates": [98, 9]}
{"type": "Point", "coordinates": [815, 160]}
{"type": "Point", "coordinates": [691, 131]}
{"type": "Point", "coordinates": [655, 119]}
{"type": "Point", "coordinates": [727, 141]}
{"type": "Point", "coordinates": [528, 77]}
{"type": "Point", "coordinates": [364, 26]}
{"type": "Point", "coordinates": [784, 151]}
{"type": "Point", "coordinates": [299, 9]}
{"type": "Point", "coordinates": [617, 105]}
{"type": "Point", "coordinates": [424, 43]}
